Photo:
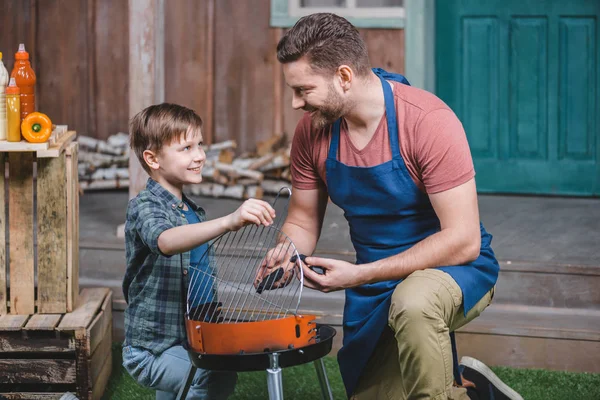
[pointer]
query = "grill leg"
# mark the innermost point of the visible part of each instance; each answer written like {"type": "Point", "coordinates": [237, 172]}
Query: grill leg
{"type": "Point", "coordinates": [274, 382]}
{"type": "Point", "coordinates": [323, 380]}
{"type": "Point", "coordinates": [188, 382]}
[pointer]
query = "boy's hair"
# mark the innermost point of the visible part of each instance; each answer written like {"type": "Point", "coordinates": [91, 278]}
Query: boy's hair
{"type": "Point", "coordinates": [328, 41]}
{"type": "Point", "coordinates": [160, 124]}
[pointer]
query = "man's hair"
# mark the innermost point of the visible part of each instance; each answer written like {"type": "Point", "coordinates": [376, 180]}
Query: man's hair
{"type": "Point", "coordinates": [160, 125]}
{"type": "Point", "coordinates": [328, 41]}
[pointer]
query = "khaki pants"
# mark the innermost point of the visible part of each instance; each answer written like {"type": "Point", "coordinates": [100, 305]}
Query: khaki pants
{"type": "Point", "coordinates": [413, 359]}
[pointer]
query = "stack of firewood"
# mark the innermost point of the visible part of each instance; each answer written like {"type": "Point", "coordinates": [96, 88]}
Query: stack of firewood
{"type": "Point", "coordinates": [104, 164]}
{"type": "Point", "coordinates": [264, 171]}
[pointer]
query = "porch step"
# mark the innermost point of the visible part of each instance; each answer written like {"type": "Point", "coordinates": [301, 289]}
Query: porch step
{"type": "Point", "coordinates": [549, 285]}
{"type": "Point", "coordinates": [534, 337]}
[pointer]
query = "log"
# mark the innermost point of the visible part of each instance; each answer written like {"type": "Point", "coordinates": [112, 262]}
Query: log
{"type": "Point", "coordinates": [226, 156]}
{"type": "Point", "coordinates": [104, 184]}
{"type": "Point", "coordinates": [274, 186]}
{"type": "Point", "coordinates": [217, 190]}
{"type": "Point", "coordinates": [262, 161]}
{"type": "Point", "coordinates": [98, 160]}
{"type": "Point", "coordinates": [110, 173]}
{"type": "Point", "coordinates": [119, 140]}
{"type": "Point", "coordinates": [270, 145]}
{"type": "Point", "coordinates": [243, 162]}
{"type": "Point", "coordinates": [100, 146]}
{"type": "Point", "coordinates": [235, 172]}
{"type": "Point", "coordinates": [228, 144]}
{"type": "Point", "coordinates": [254, 192]}
{"type": "Point", "coordinates": [279, 161]}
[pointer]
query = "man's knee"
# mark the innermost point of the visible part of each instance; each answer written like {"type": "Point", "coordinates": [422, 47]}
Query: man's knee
{"type": "Point", "coordinates": [412, 306]}
{"type": "Point", "coordinates": [425, 297]}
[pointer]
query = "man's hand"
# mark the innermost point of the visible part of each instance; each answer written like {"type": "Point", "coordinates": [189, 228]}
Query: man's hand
{"type": "Point", "coordinates": [338, 274]}
{"type": "Point", "coordinates": [277, 257]}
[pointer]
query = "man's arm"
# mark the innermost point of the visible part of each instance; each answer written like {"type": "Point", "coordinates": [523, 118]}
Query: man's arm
{"type": "Point", "coordinates": [458, 242]}
{"type": "Point", "coordinates": [305, 218]}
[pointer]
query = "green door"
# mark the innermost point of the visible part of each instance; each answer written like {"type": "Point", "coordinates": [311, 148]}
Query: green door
{"type": "Point", "coordinates": [523, 77]}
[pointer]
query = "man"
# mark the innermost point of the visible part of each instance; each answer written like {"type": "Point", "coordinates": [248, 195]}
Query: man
{"type": "Point", "coordinates": [396, 160]}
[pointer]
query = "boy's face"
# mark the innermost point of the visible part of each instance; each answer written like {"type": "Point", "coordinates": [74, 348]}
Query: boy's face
{"type": "Point", "coordinates": [180, 162]}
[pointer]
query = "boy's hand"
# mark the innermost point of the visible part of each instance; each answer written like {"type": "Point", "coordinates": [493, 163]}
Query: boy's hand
{"type": "Point", "coordinates": [252, 211]}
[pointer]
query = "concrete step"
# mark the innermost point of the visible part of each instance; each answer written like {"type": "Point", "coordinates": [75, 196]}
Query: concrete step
{"type": "Point", "coordinates": [549, 285]}
{"type": "Point", "coordinates": [534, 337]}
{"type": "Point", "coordinates": [539, 284]}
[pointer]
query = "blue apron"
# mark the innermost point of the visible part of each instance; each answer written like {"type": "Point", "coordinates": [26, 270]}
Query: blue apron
{"type": "Point", "coordinates": [387, 214]}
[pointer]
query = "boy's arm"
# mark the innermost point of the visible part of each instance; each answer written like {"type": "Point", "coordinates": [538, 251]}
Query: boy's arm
{"type": "Point", "coordinates": [184, 238]}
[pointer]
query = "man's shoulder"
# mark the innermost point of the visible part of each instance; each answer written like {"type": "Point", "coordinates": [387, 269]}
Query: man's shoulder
{"type": "Point", "coordinates": [417, 98]}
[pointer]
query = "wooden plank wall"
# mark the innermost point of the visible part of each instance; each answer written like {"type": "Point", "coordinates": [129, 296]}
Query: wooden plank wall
{"type": "Point", "coordinates": [219, 60]}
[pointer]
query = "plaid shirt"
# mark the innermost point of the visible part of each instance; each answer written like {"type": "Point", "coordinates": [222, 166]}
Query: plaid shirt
{"type": "Point", "coordinates": [153, 284]}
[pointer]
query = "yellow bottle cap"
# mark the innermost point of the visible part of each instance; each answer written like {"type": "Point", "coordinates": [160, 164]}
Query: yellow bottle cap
{"type": "Point", "coordinates": [0, 55]}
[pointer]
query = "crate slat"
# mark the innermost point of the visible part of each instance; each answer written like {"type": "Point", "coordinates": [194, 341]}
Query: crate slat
{"type": "Point", "coordinates": [22, 146]}
{"type": "Point", "coordinates": [52, 235]}
{"type": "Point", "coordinates": [12, 322]}
{"type": "Point", "coordinates": [72, 227]}
{"type": "Point", "coordinates": [21, 228]}
{"type": "Point", "coordinates": [32, 396]}
{"type": "Point", "coordinates": [100, 384]}
{"type": "Point", "coordinates": [71, 351]}
{"type": "Point", "coordinates": [48, 371]}
{"type": "Point", "coordinates": [89, 302]}
{"type": "Point", "coordinates": [39, 342]}
{"type": "Point", "coordinates": [98, 327]}
{"type": "Point", "coordinates": [98, 358]}
{"type": "Point", "coordinates": [43, 322]}
{"type": "Point", "coordinates": [3, 221]}
{"type": "Point", "coordinates": [55, 149]}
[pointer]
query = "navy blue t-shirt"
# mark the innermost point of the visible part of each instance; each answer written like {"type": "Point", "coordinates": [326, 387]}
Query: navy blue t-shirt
{"type": "Point", "coordinates": [201, 284]}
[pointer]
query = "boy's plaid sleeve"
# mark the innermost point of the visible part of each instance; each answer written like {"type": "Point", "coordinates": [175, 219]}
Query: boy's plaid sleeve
{"type": "Point", "coordinates": [152, 220]}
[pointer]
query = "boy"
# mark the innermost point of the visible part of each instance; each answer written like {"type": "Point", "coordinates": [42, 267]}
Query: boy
{"type": "Point", "coordinates": [166, 234]}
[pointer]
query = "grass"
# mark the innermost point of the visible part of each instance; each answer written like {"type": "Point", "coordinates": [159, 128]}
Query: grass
{"type": "Point", "coordinates": [301, 383]}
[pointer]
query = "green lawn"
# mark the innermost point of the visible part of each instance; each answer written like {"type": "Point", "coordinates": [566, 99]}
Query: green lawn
{"type": "Point", "coordinates": [301, 383]}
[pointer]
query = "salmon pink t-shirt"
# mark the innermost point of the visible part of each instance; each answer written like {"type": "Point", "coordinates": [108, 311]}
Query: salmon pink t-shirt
{"type": "Point", "coordinates": [433, 145]}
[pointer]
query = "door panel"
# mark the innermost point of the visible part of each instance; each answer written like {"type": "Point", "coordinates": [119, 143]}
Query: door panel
{"type": "Point", "coordinates": [523, 78]}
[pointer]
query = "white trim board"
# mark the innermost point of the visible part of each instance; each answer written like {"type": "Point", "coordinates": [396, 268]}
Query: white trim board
{"type": "Point", "coordinates": [419, 43]}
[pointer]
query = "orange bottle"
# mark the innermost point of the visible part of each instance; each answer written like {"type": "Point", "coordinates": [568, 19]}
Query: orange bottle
{"type": "Point", "coordinates": [13, 113]}
{"type": "Point", "coordinates": [25, 78]}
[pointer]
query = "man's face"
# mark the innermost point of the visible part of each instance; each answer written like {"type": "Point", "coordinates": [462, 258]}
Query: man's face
{"type": "Point", "coordinates": [315, 93]}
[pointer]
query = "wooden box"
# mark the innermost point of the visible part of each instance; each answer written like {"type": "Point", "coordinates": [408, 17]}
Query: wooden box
{"type": "Point", "coordinates": [43, 356]}
{"type": "Point", "coordinates": [41, 224]}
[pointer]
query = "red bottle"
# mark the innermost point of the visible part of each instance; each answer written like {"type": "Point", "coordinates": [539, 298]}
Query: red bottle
{"type": "Point", "coordinates": [25, 78]}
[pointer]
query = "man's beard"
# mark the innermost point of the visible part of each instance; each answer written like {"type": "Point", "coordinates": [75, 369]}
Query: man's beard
{"type": "Point", "coordinates": [333, 109]}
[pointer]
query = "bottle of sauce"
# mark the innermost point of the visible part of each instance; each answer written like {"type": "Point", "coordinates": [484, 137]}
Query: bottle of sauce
{"type": "Point", "coordinates": [3, 83]}
{"type": "Point", "coordinates": [13, 107]}
{"type": "Point", "coordinates": [25, 78]}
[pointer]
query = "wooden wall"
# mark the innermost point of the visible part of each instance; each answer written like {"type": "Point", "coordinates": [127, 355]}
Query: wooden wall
{"type": "Point", "coordinates": [219, 60]}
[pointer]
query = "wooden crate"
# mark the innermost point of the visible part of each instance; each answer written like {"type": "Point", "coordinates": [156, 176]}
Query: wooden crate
{"type": "Point", "coordinates": [42, 356]}
{"type": "Point", "coordinates": [43, 210]}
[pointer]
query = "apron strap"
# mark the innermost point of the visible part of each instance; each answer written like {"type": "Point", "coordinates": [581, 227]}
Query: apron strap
{"type": "Point", "coordinates": [335, 139]}
{"type": "Point", "coordinates": [390, 114]}
{"type": "Point", "coordinates": [455, 366]}
{"type": "Point", "coordinates": [392, 124]}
